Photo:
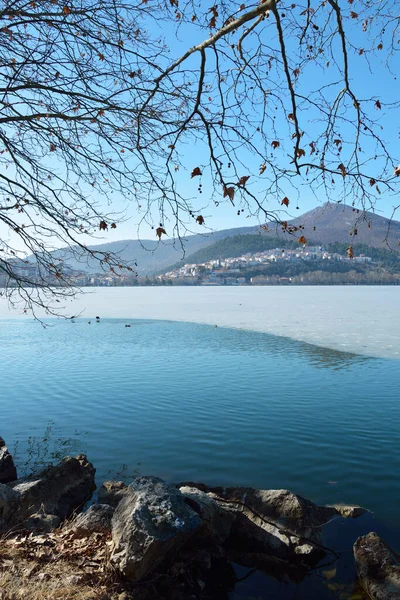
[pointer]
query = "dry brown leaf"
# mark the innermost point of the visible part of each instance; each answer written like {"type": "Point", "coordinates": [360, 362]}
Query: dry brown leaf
{"type": "Point", "coordinates": [230, 193]}
{"type": "Point", "coordinates": [243, 180]}
{"type": "Point", "coordinates": [196, 172]}
{"type": "Point", "coordinates": [160, 231]}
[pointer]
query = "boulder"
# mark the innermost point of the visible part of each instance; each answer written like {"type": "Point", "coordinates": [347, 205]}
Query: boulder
{"type": "Point", "coordinates": [59, 490]}
{"type": "Point", "coordinates": [9, 500]}
{"type": "Point", "coordinates": [216, 521]}
{"type": "Point", "coordinates": [274, 522]}
{"type": "Point", "coordinates": [112, 492]}
{"type": "Point", "coordinates": [378, 567]}
{"type": "Point", "coordinates": [150, 523]}
{"type": "Point", "coordinates": [8, 472]}
{"type": "Point", "coordinates": [97, 519]}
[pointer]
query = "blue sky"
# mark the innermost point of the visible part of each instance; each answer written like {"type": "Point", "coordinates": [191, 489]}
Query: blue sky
{"type": "Point", "coordinates": [377, 82]}
{"type": "Point", "coordinates": [371, 79]}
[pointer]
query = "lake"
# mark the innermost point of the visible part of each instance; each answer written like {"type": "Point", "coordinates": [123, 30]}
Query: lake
{"type": "Point", "coordinates": [249, 402]}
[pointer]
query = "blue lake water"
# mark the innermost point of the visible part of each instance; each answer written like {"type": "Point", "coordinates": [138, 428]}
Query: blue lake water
{"type": "Point", "coordinates": [187, 401]}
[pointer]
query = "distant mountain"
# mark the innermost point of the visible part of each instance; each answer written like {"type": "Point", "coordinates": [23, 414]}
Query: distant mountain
{"type": "Point", "coordinates": [329, 223]}
{"type": "Point", "coordinates": [150, 256]}
{"type": "Point", "coordinates": [332, 223]}
{"type": "Point", "coordinates": [240, 245]}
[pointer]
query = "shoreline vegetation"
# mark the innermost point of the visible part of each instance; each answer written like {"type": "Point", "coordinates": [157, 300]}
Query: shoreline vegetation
{"type": "Point", "coordinates": [221, 278]}
{"type": "Point", "coordinates": [153, 539]}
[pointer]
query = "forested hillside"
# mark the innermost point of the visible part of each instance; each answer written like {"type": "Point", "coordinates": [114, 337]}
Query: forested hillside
{"type": "Point", "coordinates": [237, 246]}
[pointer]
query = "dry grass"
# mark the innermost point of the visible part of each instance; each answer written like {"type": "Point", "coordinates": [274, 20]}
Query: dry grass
{"type": "Point", "coordinates": [14, 587]}
{"type": "Point", "coordinates": [55, 566]}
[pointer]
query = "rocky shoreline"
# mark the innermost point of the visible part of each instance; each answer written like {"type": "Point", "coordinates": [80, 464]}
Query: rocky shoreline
{"type": "Point", "coordinates": [153, 539]}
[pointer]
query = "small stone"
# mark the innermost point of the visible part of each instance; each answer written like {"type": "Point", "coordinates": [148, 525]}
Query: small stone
{"type": "Point", "coordinates": [42, 522]}
{"type": "Point", "coordinates": [74, 580]}
{"type": "Point", "coordinates": [349, 512]}
{"type": "Point", "coordinates": [97, 519]}
{"type": "Point", "coordinates": [112, 492]}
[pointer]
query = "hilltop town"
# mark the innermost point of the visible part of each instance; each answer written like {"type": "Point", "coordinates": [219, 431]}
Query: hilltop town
{"type": "Point", "coordinates": [239, 270]}
{"type": "Point", "coordinates": [242, 259]}
{"type": "Point", "coordinates": [290, 265]}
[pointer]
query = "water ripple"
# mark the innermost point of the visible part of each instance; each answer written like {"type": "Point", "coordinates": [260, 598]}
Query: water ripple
{"type": "Point", "coordinates": [191, 401]}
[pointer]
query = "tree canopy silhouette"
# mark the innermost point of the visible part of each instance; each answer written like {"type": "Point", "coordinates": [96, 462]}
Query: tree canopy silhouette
{"type": "Point", "coordinates": [166, 103]}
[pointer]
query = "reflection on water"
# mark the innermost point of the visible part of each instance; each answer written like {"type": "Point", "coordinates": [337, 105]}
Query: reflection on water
{"type": "Point", "coordinates": [240, 341]}
{"type": "Point", "coordinates": [278, 346]}
{"type": "Point", "coordinates": [326, 358]}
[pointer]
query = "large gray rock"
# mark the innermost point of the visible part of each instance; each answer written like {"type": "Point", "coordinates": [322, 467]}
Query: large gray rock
{"type": "Point", "coordinates": [8, 472]}
{"type": "Point", "coordinates": [378, 567]}
{"type": "Point", "coordinates": [150, 523]}
{"type": "Point", "coordinates": [275, 522]}
{"type": "Point", "coordinates": [9, 500]}
{"type": "Point", "coordinates": [216, 520]}
{"type": "Point", "coordinates": [59, 490]}
{"type": "Point", "coordinates": [97, 519]}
